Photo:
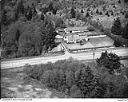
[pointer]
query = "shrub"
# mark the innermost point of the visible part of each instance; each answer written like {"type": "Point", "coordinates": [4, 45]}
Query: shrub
{"type": "Point", "coordinates": [91, 28]}
{"type": "Point", "coordinates": [49, 78]}
{"type": "Point", "coordinates": [33, 71]}
{"type": "Point", "coordinates": [75, 92]}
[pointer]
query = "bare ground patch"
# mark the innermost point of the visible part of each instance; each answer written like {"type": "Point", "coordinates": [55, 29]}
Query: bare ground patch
{"type": "Point", "coordinates": [15, 84]}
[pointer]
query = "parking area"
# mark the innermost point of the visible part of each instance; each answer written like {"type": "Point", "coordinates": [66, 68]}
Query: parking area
{"type": "Point", "coordinates": [92, 43]}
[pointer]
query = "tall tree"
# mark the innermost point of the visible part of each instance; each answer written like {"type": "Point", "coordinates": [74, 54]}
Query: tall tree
{"type": "Point", "coordinates": [28, 13]}
{"type": "Point", "coordinates": [110, 61]}
{"type": "Point", "coordinates": [125, 1]}
{"type": "Point", "coordinates": [88, 83]}
{"type": "Point", "coordinates": [116, 28]}
{"type": "Point", "coordinates": [125, 32]}
{"type": "Point", "coordinates": [4, 17]}
{"type": "Point", "coordinates": [87, 14]}
{"type": "Point", "coordinates": [73, 13]}
{"type": "Point", "coordinates": [50, 7]}
{"type": "Point", "coordinates": [20, 7]}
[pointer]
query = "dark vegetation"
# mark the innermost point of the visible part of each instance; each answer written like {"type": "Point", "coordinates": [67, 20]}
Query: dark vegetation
{"type": "Point", "coordinates": [28, 38]}
{"type": "Point", "coordinates": [24, 32]}
{"type": "Point", "coordinates": [117, 29]}
{"type": "Point", "coordinates": [78, 80]}
{"type": "Point", "coordinates": [118, 33]}
{"type": "Point", "coordinates": [110, 61]}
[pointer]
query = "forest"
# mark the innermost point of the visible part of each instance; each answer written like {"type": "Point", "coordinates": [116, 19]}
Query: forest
{"type": "Point", "coordinates": [24, 32]}
{"type": "Point", "coordinates": [105, 78]}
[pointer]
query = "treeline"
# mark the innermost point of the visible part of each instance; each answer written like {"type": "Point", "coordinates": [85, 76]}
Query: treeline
{"type": "Point", "coordinates": [24, 32]}
{"type": "Point", "coordinates": [26, 38]}
{"type": "Point", "coordinates": [78, 80]}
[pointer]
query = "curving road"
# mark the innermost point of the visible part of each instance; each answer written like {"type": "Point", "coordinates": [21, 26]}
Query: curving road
{"type": "Point", "coordinates": [79, 56]}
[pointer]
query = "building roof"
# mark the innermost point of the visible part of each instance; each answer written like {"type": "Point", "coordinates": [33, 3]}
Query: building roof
{"type": "Point", "coordinates": [76, 29]}
{"type": "Point", "coordinates": [59, 36]}
{"type": "Point", "coordinates": [57, 48]}
{"type": "Point", "coordinates": [89, 33]}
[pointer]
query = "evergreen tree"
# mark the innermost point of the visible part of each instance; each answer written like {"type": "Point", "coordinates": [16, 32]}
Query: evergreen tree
{"type": "Point", "coordinates": [50, 7]}
{"type": "Point", "coordinates": [73, 13]}
{"type": "Point", "coordinates": [110, 61]}
{"type": "Point", "coordinates": [42, 17]}
{"type": "Point", "coordinates": [112, 13]}
{"type": "Point", "coordinates": [82, 11]}
{"type": "Point", "coordinates": [20, 7]}
{"type": "Point", "coordinates": [119, 1]}
{"type": "Point", "coordinates": [4, 17]}
{"type": "Point", "coordinates": [125, 32]}
{"type": "Point", "coordinates": [28, 13]}
{"type": "Point", "coordinates": [88, 83]}
{"type": "Point", "coordinates": [117, 43]}
{"type": "Point", "coordinates": [116, 28]}
{"type": "Point", "coordinates": [87, 14]}
{"type": "Point", "coordinates": [97, 11]}
{"type": "Point", "coordinates": [126, 15]}
{"type": "Point", "coordinates": [107, 14]}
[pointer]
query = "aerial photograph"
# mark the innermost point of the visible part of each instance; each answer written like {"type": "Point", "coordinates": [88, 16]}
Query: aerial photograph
{"type": "Point", "coordinates": [64, 49]}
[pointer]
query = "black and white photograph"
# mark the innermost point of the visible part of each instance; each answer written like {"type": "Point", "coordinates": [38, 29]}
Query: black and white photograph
{"type": "Point", "coordinates": [64, 49]}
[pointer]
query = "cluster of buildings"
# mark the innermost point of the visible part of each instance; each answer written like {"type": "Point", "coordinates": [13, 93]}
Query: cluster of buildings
{"type": "Point", "coordinates": [76, 38]}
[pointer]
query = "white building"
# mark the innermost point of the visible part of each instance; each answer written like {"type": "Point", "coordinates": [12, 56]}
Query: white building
{"type": "Point", "coordinates": [76, 34]}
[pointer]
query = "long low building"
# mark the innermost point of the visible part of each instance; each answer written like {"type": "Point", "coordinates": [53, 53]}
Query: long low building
{"type": "Point", "coordinates": [75, 29]}
{"type": "Point", "coordinates": [77, 37]}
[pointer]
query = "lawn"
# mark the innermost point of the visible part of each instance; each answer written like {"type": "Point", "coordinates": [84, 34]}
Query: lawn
{"type": "Point", "coordinates": [92, 43]}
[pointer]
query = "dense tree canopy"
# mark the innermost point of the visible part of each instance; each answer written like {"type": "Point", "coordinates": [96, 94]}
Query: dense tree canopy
{"type": "Point", "coordinates": [110, 61]}
{"type": "Point", "coordinates": [73, 78]}
{"type": "Point", "coordinates": [78, 80]}
{"type": "Point", "coordinates": [29, 38]}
